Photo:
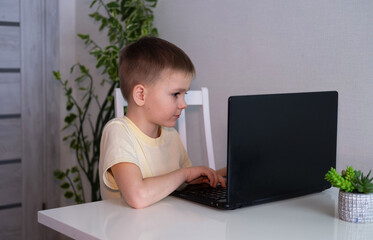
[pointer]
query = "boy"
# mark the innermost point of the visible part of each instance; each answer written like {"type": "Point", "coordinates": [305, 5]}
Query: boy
{"type": "Point", "coordinates": [142, 158]}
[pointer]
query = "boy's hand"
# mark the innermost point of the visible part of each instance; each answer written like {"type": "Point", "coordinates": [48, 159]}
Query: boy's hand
{"type": "Point", "coordinates": [196, 175]}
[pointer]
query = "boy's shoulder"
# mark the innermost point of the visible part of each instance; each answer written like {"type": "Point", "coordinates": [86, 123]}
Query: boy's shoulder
{"type": "Point", "coordinates": [119, 128]}
{"type": "Point", "coordinates": [116, 121]}
{"type": "Point", "coordinates": [116, 124]}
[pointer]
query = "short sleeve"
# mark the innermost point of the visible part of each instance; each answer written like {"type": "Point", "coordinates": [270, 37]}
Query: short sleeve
{"type": "Point", "coordinates": [117, 145]}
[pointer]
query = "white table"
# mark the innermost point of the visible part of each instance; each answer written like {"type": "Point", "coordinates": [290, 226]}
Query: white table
{"type": "Point", "coordinates": [309, 217]}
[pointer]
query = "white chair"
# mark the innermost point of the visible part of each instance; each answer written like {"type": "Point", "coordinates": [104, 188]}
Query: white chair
{"type": "Point", "coordinates": [194, 97]}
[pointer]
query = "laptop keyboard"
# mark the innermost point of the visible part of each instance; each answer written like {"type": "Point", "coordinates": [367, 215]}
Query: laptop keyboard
{"type": "Point", "coordinates": [218, 193]}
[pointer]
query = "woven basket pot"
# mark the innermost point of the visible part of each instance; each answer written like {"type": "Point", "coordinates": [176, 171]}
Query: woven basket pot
{"type": "Point", "coordinates": [355, 207]}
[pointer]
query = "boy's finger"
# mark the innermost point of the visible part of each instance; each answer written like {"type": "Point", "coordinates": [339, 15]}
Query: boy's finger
{"type": "Point", "coordinates": [214, 179]}
{"type": "Point", "coordinates": [222, 181]}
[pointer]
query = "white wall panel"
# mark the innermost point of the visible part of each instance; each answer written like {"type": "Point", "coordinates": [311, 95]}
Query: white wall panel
{"type": "Point", "coordinates": [10, 139]}
{"type": "Point", "coordinates": [10, 183]}
{"type": "Point", "coordinates": [10, 93]}
{"type": "Point", "coordinates": [10, 229]}
{"type": "Point", "coordinates": [9, 10]}
{"type": "Point", "coordinates": [9, 47]}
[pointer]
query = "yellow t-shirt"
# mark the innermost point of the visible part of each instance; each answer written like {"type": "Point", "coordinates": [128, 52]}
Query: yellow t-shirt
{"type": "Point", "coordinates": [122, 141]}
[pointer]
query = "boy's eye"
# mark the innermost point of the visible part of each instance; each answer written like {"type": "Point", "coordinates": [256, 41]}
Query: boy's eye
{"type": "Point", "coordinates": [178, 93]}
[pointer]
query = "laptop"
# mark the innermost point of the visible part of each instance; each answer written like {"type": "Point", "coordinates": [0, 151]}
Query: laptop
{"type": "Point", "coordinates": [279, 146]}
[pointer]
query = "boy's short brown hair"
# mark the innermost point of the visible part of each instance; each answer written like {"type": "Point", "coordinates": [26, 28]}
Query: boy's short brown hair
{"type": "Point", "coordinates": [141, 62]}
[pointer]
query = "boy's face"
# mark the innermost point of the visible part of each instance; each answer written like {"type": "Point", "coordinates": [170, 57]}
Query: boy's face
{"type": "Point", "coordinates": [164, 99]}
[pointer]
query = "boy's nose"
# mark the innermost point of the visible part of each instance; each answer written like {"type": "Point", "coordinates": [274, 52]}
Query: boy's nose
{"type": "Point", "coordinates": [182, 104]}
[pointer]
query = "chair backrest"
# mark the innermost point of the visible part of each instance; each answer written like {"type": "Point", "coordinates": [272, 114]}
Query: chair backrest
{"type": "Point", "coordinates": [194, 97]}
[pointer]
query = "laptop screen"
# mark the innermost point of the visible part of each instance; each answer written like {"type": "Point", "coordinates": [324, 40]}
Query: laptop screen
{"type": "Point", "coordinates": [280, 145]}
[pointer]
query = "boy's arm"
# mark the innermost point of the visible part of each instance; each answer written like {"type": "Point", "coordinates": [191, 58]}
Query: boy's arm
{"type": "Point", "coordinates": [140, 193]}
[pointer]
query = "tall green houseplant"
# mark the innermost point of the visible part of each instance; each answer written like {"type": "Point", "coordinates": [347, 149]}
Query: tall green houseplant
{"type": "Point", "coordinates": [125, 21]}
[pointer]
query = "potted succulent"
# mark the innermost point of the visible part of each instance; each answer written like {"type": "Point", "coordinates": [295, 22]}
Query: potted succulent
{"type": "Point", "coordinates": [355, 199]}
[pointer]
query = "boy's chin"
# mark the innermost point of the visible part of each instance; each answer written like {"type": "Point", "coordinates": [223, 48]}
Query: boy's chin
{"type": "Point", "coordinates": [170, 124]}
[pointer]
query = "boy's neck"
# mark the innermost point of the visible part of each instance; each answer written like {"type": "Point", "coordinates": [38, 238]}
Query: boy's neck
{"type": "Point", "coordinates": [149, 129]}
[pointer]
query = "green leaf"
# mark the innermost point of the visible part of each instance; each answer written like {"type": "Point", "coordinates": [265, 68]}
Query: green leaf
{"type": "Point", "coordinates": [84, 36]}
{"type": "Point", "coordinates": [70, 118]}
{"type": "Point", "coordinates": [151, 1]}
{"type": "Point", "coordinates": [69, 194]}
{"type": "Point", "coordinates": [74, 169]}
{"type": "Point", "coordinates": [154, 32]}
{"type": "Point", "coordinates": [66, 127]}
{"type": "Point", "coordinates": [72, 69]}
{"type": "Point", "coordinates": [69, 105]}
{"type": "Point", "coordinates": [80, 78]}
{"type": "Point", "coordinates": [93, 3]}
{"type": "Point", "coordinates": [66, 138]}
{"type": "Point", "coordinates": [76, 179]}
{"type": "Point", "coordinates": [96, 15]}
{"type": "Point", "coordinates": [112, 5]}
{"type": "Point", "coordinates": [73, 144]}
{"type": "Point", "coordinates": [96, 52]}
{"type": "Point", "coordinates": [78, 199]}
{"type": "Point", "coordinates": [100, 61]}
{"type": "Point", "coordinates": [65, 185]}
{"type": "Point", "coordinates": [57, 75]}
{"type": "Point", "coordinates": [69, 91]}
{"type": "Point", "coordinates": [59, 174]}
{"type": "Point", "coordinates": [104, 23]}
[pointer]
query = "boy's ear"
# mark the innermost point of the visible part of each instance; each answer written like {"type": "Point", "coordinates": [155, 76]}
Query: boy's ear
{"type": "Point", "coordinates": [138, 94]}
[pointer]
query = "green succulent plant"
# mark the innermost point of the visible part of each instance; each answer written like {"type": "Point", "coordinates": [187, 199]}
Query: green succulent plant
{"type": "Point", "coordinates": [350, 180]}
{"type": "Point", "coordinates": [349, 173]}
{"type": "Point", "coordinates": [338, 181]}
{"type": "Point", "coordinates": [363, 183]}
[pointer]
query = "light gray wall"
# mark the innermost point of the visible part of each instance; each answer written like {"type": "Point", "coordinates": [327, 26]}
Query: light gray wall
{"type": "Point", "coordinates": [270, 46]}
{"type": "Point", "coordinates": [67, 59]}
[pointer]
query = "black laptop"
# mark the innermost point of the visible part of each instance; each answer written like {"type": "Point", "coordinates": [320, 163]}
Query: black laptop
{"type": "Point", "coordinates": [279, 146]}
